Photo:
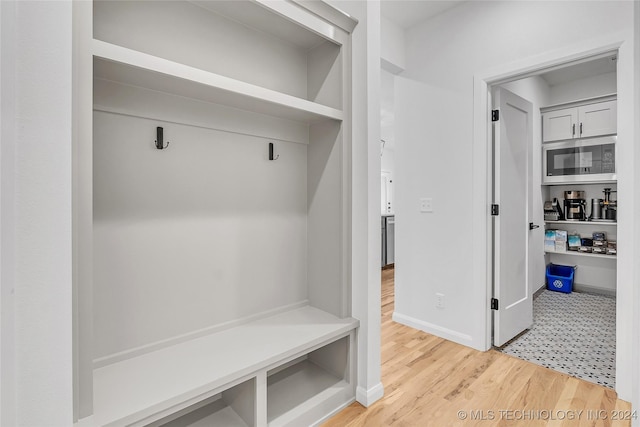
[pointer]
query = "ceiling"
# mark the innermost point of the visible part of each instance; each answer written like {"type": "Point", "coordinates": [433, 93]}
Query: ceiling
{"type": "Point", "coordinates": [407, 13]}
{"type": "Point", "coordinates": [581, 70]}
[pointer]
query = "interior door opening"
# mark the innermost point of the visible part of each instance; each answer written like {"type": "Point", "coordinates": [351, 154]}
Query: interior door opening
{"type": "Point", "coordinates": [587, 314]}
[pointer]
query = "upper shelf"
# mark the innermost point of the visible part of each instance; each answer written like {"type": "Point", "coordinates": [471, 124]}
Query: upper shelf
{"type": "Point", "coordinates": [131, 67]}
{"type": "Point", "coordinates": [594, 223]}
{"type": "Point", "coordinates": [583, 254]}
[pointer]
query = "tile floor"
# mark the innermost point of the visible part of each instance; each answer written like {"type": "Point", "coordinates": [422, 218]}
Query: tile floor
{"type": "Point", "coordinates": [572, 333]}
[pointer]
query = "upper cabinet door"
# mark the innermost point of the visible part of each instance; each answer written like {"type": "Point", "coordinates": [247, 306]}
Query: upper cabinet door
{"type": "Point", "coordinates": [598, 119]}
{"type": "Point", "coordinates": [559, 125]}
{"type": "Point", "coordinates": [584, 121]}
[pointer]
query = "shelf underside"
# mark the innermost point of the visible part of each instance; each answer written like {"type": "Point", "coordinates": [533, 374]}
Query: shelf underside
{"type": "Point", "coordinates": [129, 67]}
{"type": "Point", "coordinates": [255, 15]}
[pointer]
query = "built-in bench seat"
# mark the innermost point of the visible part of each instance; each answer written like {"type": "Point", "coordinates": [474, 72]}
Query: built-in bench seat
{"type": "Point", "coordinates": [152, 386]}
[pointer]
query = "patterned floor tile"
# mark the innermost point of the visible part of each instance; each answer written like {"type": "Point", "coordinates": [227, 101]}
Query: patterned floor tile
{"type": "Point", "coordinates": [572, 333]}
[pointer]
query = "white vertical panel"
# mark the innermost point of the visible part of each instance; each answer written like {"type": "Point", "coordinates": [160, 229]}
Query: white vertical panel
{"type": "Point", "coordinates": [7, 214]}
{"type": "Point", "coordinates": [325, 187]}
{"type": "Point", "coordinates": [43, 275]}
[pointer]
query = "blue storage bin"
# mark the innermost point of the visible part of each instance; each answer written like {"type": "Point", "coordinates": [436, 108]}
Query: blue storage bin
{"type": "Point", "coordinates": [560, 278]}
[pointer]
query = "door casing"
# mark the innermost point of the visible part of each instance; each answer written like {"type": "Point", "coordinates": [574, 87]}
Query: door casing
{"type": "Point", "coordinates": [482, 164]}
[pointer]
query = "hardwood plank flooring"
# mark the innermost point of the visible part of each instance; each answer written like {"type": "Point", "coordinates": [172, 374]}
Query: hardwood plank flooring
{"type": "Point", "coordinates": [429, 381]}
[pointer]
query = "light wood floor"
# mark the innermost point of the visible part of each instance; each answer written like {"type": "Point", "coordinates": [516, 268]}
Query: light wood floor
{"type": "Point", "coordinates": [429, 380]}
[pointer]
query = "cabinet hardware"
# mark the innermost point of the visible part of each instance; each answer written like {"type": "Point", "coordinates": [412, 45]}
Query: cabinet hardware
{"type": "Point", "coordinates": [495, 115]}
{"type": "Point", "coordinates": [160, 139]}
{"type": "Point", "coordinates": [580, 129]}
{"type": "Point", "coordinates": [533, 226]}
{"type": "Point", "coordinates": [573, 130]}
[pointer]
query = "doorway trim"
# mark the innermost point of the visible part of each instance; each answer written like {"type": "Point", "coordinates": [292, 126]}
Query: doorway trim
{"type": "Point", "coordinates": [482, 163]}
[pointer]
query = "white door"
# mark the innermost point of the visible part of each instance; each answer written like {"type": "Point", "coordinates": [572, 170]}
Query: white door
{"type": "Point", "coordinates": [513, 134]}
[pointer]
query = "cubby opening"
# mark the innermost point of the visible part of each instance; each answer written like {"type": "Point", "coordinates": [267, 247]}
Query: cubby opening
{"type": "Point", "coordinates": [231, 408]}
{"type": "Point", "coordinates": [318, 376]}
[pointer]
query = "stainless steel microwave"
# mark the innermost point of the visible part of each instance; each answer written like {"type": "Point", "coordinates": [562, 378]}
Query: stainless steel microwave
{"type": "Point", "coordinates": [587, 160]}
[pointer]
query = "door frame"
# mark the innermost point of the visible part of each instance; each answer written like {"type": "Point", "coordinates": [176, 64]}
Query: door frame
{"type": "Point", "coordinates": [626, 331]}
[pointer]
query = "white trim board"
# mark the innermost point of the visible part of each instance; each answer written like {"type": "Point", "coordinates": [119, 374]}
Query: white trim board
{"type": "Point", "coordinates": [430, 328]}
{"type": "Point", "coordinates": [481, 227]}
{"type": "Point", "coordinates": [368, 397]}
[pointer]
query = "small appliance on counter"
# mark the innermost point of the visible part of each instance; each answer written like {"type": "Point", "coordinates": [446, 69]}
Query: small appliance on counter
{"type": "Point", "coordinates": [553, 211]}
{"type": "Point", "coordinates": [575, 205]}
{"type": "Point", "coordinates": [596, 210]}
{"type": "Point", "coordinates": [604, 209]}
{"type": "Point", "coordinates": [609, 207]}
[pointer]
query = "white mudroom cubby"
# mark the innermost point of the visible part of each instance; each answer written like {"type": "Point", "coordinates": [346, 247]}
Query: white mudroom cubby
{"type": "Point", "coordinates": [211, 279]}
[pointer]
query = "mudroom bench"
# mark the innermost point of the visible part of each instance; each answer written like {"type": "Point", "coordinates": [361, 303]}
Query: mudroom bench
{"type": "Point", "coordinates": [276, 371]}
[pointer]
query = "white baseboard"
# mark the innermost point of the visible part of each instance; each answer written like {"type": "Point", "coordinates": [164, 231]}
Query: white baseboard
{"type": "Point", "coordinates": [370, 396]}
{"type": "Point", "coordinates": [432, 329]}
{"type": "Point", "coordinates": [577, 287]}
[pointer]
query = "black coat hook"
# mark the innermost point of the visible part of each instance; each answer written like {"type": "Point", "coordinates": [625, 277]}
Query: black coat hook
{"type": "Point", "coordinates": [159, 139]}
{"type": "Point", "coordinates": [271, 152]}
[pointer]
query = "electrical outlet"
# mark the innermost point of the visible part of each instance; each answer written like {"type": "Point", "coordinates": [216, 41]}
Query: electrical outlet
{"type": "Point", "coordinates": [439, 300]}
{"type": "Point", "coordinates": [426, 205]}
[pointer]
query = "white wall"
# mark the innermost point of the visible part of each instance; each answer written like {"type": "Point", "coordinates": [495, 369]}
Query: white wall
{"type": "Point", "coordinates": [392, 47]}
{"type": "Point", "coordinates": [435, 150]}
{"type": "Point", "coordinates": [387, 124]}
{"type": "Point", "coordinates": [192, 234]}
{"type": "Point", "coordinates": [603, 84]}
{"type": "Point", "coordinates": [635, 233]}
{"type": "Point", "coordinates": [7, 218]}
{"type": "Point", "coordinates": [42, 206]}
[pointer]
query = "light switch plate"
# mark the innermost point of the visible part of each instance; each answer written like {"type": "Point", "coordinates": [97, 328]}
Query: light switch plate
{"type": "Point", "coordinates": [426, 204]}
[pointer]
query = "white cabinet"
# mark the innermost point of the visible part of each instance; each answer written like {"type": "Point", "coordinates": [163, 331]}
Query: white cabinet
{"type": "Point", "coordinates": [559, 125]}
{"type": "Point", "coordinates": [598, 119]}
{"type": "Point", "coordinates": [583, 121]}
{"type": "Point", "coordinates": [570, 122]}
{"type": "Point", "coordinates": [205, 268]}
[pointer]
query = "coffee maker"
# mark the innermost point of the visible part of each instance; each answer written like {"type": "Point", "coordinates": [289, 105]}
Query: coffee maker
{"type": "Point", "coordinates": [575, 206]}
{"type": "Point", "coordinates": [609, 207]}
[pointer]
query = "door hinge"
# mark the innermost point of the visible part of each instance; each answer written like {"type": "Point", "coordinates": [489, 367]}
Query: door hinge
{"type": "Point", "coordinates": [495, 115]}
{"type": "Point", "coordinates": [495, 210]}
{"type": "Point", "coordinates": [494, 303]}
